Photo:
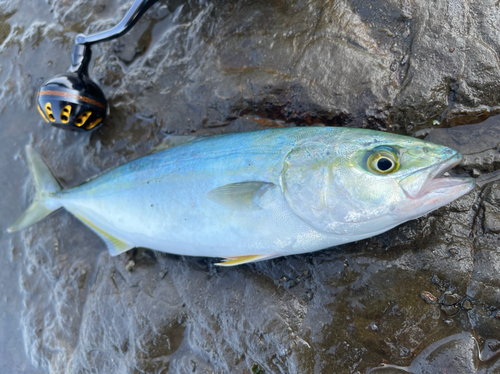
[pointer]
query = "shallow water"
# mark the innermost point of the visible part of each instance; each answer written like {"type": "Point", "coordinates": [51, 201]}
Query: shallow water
{"type": "Point", "coordinates": [208, 67]}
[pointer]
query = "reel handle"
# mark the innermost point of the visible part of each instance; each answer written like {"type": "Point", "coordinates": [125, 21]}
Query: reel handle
{"type": "Point", "coordinates": [139, 7]}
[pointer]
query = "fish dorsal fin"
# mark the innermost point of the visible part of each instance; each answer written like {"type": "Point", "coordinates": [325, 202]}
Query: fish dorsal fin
{"type": "Point", "coordinates": [240, 195]}
{"type": "Point", "coordinates": [173, 141]}
{"type": "Point", "coordinates": [239, 260]}
{"type": "Point", "coordinates": [115, 245]}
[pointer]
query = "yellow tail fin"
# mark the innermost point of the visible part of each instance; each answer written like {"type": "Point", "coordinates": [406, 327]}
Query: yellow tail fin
{"type": "Point", "coordinates": [46, 186]}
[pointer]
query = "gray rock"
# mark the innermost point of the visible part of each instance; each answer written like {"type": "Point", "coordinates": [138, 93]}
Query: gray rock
{"type": "Point", "coordinates": [394, 65]}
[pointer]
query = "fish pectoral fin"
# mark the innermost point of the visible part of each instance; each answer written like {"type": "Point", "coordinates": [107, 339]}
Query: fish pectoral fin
{"type": "Point", "coordinates": [238, 260]}
{"type": "Point", "coordinates": [115, 245]}
{"type": "Point", "coordinates": [240, 195]}
{"type": "Point", "coordinates": [173, 141]}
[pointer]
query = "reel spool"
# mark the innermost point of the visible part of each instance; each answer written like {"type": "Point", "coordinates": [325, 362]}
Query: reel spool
{"type": "Point", "coordinates": [72, 101]}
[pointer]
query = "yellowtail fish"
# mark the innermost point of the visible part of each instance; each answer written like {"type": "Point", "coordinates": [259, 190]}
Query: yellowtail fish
{"type": "Point", "coordinates": [252, 196]}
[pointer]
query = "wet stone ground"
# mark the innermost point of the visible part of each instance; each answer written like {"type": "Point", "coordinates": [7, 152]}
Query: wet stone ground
{"type": "Point", "coordinates": [420, 298]}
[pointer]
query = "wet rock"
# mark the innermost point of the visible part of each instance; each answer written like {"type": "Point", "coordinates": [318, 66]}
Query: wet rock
{"type": "Point", "coordinates": [490, 354]}
{"type": "Point", "coordinates": [479, 144]}
{"type": "Point", "coordinates": [7, 9]}
{"type": "Point", "coordinates": [454, 354]}
{"type": "Point", "coordinates": [51, 322]}
{"type": "Point", "coordinates": [142, 325]}
{"type": "Point", "coordinates": [75, 12]}
{"type": "Point", "coordinates": [491, 208]}
{"type": "Point", "coordinates": [484, 284]}
{"type": "Point", "coordinates": [369, 65]}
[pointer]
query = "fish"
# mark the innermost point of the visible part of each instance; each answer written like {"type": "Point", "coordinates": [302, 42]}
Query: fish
{"type": "Point", "coordinates": [251, 196]}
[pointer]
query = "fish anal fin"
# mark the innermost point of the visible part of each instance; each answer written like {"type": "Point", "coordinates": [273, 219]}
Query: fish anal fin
{"type": "Point", "coordinates": [173, 141]}
{"type": "Point", "coordinates": [115, 245]}
{"type": "Point", "coordinates": [239, 260]}
{"type": "Point", "coordinates": [240, 195]}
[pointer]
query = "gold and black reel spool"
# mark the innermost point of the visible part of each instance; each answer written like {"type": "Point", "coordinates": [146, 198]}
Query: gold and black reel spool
{"type": "Point", "coordinates": [72, 102]}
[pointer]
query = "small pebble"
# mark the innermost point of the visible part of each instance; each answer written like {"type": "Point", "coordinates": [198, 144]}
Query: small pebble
{"type": "Point", "coordinates": [497, 314]}
{"type": "Point", "coordinates": [449, 310]}
{"type": "Point", "coordinates": [130, 265]}
{"type": "Point", "coordinates": [494, 345]}
{"type": "Point", "coordinates": [428, 297]}
{"type": "Point", "coordinates": [467, 305]}
{"type": "Point", "coordinates": [256, 369]}
{"type": "Point", "coordinates": [163, 273]}
{"type": "Point", "coordinates": [450, 298]}
{"type": "Point", "coordinates": [290, 283]}
{"type": "Point", "coordinates": [447, 321]}
{"type": "Point", "coordinates": [373, 326]}
{"type": "Point", "coordinates": [435, 280]}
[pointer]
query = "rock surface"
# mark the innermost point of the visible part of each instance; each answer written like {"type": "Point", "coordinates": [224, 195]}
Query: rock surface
{"type": "Point", "coordinates": [208, 67]}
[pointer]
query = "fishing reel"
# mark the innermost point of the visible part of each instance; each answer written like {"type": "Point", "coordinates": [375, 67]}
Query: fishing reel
{"type": "Point", "coordinates": [72, 101]}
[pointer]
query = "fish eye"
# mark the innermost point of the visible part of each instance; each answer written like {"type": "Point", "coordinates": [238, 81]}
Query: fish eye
{"type": "Point", "coordinates": [383, 160]}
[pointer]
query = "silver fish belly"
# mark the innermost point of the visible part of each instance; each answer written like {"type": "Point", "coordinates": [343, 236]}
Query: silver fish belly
{"type": "Point", "coordinates": [250, 196]}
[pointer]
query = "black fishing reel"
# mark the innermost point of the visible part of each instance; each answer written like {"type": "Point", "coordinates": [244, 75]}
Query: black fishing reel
{"type": "Point", "coordinates": [72, 101]}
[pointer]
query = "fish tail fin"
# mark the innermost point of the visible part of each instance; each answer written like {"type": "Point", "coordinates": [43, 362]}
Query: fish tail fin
{"type": "Point", "coordinates": [46, 186]}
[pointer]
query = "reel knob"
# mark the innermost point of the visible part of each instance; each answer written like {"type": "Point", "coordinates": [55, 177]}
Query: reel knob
{"type": "Point", "coordinates": [72, 102]}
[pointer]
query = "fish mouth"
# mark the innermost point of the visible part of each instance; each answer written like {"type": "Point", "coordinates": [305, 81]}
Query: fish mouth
{"type": "Point", "coordinates": [436, 179]}
{"type": "Point", "coordinates": [441, 179]}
